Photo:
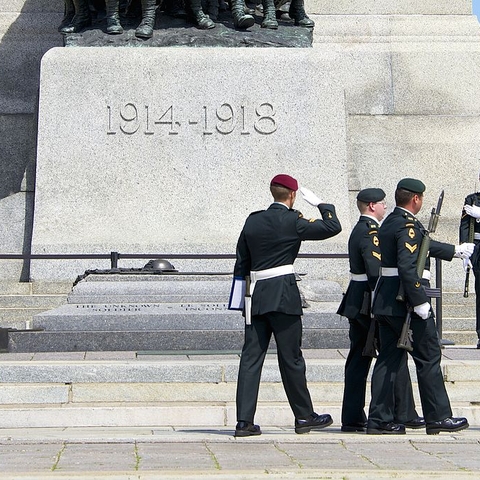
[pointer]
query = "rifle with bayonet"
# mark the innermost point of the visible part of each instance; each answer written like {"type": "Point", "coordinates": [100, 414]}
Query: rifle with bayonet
{"type": "Point", "coordinates": [405, 341]}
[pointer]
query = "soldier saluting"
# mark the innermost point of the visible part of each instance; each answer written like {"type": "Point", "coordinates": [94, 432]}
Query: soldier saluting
{"type": "Point", "coordinates": [401, 236]}
{"type": "Point", "coordinates": [266, 250]}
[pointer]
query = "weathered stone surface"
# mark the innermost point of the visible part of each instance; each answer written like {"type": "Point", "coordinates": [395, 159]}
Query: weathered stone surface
{"type": "Point", "coordinates": [389, 7]}
{"type": "Point", "coordinates": [231, 136]}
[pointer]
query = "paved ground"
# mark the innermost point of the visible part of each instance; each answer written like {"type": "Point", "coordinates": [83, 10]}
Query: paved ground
{"type": "Point", "coordinates": [186, 453]}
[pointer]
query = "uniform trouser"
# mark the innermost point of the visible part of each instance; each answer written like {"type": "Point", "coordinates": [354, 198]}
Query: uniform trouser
{"type": "Point", "coordinates": [287, 330]}
{"type": "Point", "coordinates": [357, 367]}
{"type": "Point", "coordinates": [477, 300]}
{"type": "Point", "coordinates": [426, 355]}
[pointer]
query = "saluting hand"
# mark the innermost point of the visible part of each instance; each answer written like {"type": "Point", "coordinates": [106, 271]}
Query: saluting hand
{"type": "Point", "coordinates": [310, 197]}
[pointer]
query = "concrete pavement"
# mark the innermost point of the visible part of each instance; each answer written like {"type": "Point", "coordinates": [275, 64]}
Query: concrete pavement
{"type": "Point", "coordinates": [198, 453]}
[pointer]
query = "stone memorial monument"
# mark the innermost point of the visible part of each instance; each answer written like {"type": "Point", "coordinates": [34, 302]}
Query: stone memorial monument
{"type": "Point", "coordinates": [165, 148]}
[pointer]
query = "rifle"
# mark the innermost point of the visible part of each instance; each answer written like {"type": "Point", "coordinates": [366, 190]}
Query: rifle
{"type": "Point", "coordinates": [471, 235]}
{"type": "Point", "coordinates": [406, 337]}
{"type": "Point", "coordinates": [370, 348]}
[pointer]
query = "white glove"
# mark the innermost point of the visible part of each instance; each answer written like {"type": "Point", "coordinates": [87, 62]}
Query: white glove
{"type": "Point", "coordinates": [310, 197]}
{"type": "Point", "coordinates": [467, 264]}
{"type": "Point", "coordinates": [464, 250]}
{"type": "Point", "coordinates": [472, 210]}
{"type": "Point", "coordinates": [423, 310]}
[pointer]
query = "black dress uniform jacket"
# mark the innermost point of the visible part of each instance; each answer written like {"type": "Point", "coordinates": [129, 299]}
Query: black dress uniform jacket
{"type": "Point", "coordinates": [400, 237]}
{"type": "Point", "coordinates": [272, 238]}
{"type": "Point", "coordinates": [473, 199]}
{"type": "Point", "coordinates": [364, 258]}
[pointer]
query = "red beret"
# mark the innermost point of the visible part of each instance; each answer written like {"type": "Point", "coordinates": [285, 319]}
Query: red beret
{"type": "Point", "coordinates": [285, 181]}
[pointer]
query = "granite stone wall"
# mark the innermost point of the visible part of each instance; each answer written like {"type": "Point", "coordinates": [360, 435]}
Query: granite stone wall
{"type": "Point", "coordinates": [408, 70]}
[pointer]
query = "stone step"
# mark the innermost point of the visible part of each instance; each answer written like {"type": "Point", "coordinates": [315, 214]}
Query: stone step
{"type": "Point", "coordinates": [44, 302]}
{"type": "Point", "coordinates": [86, 389]}
{"type": "Point", "coordinates": [174, 414]}
{"type": "Point", "coordinates": [61, 341]}
{"type": "Point", "coordinates": [458, 310]}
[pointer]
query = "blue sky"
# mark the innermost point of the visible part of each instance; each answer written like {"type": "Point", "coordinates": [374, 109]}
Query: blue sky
{"type": "Point", "coordinates": [476, 7]}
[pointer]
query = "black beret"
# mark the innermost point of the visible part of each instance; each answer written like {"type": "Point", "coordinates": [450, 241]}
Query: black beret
{"type": "Point", "coordinates": [371, 195]}
{"type": "Point", "coordinates": [412, 185]}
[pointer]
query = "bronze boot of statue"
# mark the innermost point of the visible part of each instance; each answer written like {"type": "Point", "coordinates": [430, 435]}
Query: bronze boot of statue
{"type": "Point", "coordinates": [240, 18]}
{"type": "Point", "coordinates": [114, 26]}
{"type": "Point", "coordinates": [81, 19]}
{"type": "Point", "coordinates": [145, 29]}
{"type": "Point", "coordinates": [297, 13]}
{"type": "Point", "coordinates": [204, 22]}
{"type": "Point", "coordinates": [269, 15]}
{"type": "Point", "coordinates": [68, 16]}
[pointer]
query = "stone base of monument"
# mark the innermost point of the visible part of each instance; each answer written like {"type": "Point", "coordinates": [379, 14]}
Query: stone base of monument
{"type": "Point", "coordinates": [165, 313]}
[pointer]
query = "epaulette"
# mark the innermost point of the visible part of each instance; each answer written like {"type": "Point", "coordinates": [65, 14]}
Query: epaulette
{"type": "Point", "coordinates": [254, 213]}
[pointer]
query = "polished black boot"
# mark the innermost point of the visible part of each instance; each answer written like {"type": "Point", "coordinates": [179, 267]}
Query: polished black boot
{"type": "Point", "coordinates": [114, 26]}
{"type": "Point", "coordinates": [269, 15]}
{"type": "Point", "coordinates": [241, 20]}
{"type": "Point", "coordinates": [81, 19]}
{"type": "Point", "coordinates": [145, 29]}
{"type": "Point", "coordinates": [451, 424]}
{"type": "Point", "coordinates": [297, 13]}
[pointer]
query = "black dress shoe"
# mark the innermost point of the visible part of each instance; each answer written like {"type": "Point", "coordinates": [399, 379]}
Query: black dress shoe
{"type": "Point", "coordinates": [418, 422]}
{"type": "Point", "coordinates": [386, 428]}
{"type": "Point", "coordinates": [313, 422]}
{"type": "Point", "coordinates": [354, 427]}
{"type": "Point", "coordinates": [451, 424]}
{"type": "Point", "coordinates": [247, 429]}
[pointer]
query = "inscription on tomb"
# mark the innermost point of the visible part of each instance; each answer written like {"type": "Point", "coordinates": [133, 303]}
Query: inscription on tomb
{"type": "Point", "coordinates": [135, 118]}
{"type": "Point", "coordinates": [150, 307]}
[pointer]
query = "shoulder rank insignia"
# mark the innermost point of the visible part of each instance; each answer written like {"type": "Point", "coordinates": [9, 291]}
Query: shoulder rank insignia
{"type": "Point", "coordinates": [377, 255]}
{"type": "Point", "coordinates": [375, 241]}
{"type": "Point", "coordinates": [311, 220]}
{"type": "Point", "coordinates": [411, 233]}
{"type": "Point", "coordinates": [300, 214]}
{"type": "Point", "coordinates": [411, 248]}
{"type": "Point", "coordinates": [417, 285]}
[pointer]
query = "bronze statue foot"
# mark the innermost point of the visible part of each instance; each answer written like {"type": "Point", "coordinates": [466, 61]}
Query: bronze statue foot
{"type": "Point", "coordinates": [243, 21]}
{"type": "Point", "coordinates": [114, 27]}
{"type": "Point", "coordinates": [78, 23]}
{"type": "Point", "coordinates": [269, 23]}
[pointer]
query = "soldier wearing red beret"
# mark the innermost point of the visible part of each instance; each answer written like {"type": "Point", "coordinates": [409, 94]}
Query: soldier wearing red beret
{"type": "Point", "coordinates": [266, 250]}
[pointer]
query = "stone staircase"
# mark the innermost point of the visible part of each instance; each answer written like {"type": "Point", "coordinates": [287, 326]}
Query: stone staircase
{"type": "Point", "coordinates": [182, 383]}
{"type": "Point", "coordinates": [127, 389]}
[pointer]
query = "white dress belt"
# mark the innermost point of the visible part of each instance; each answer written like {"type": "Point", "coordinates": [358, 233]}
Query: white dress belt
{"type": "Point", "coordinates": [393, 272]}
{"type": "Point", "coordinates": [258, 275]}
{"type": "Point", "coordinates": [359, 277]}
